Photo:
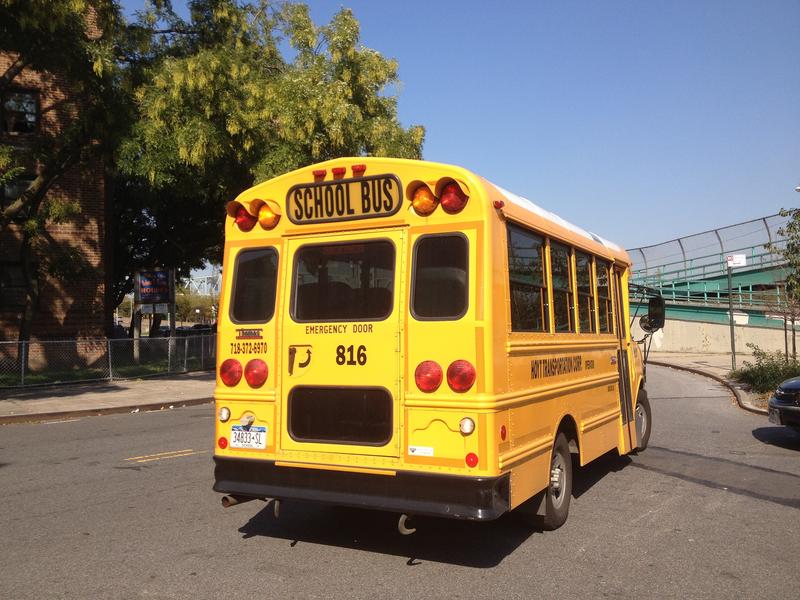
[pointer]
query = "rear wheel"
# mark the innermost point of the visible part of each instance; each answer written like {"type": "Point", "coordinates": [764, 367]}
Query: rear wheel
{"type": "Point", "coordinates": [559, 489]}
{"type": "Point", "coordinates": [643, 420]}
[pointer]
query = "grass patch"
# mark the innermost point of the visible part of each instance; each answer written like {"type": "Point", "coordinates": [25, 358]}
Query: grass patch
{"type": "Point", "coordinates": [767, 371]}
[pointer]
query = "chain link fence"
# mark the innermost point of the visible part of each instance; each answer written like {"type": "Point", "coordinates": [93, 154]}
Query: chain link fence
{"type": "Point", "coordinates": [47, 362]}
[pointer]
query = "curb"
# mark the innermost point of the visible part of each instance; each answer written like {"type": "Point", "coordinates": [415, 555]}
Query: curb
{"type": "Point", "coordinates": [742, 404]}
{"type": "Point", "coordinates": [90, 412]}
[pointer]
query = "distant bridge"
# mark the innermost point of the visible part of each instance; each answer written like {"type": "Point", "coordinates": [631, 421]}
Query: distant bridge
{"type": "Point", "coordinates": [691, 273]}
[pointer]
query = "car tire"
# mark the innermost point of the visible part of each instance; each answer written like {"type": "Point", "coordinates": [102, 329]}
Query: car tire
{"type": "Point", "coordinates": [559, 488]}
{"type": "Point", "coordinates": [643, 421]}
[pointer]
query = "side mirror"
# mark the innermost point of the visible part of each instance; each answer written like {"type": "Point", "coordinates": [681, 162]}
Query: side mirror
{"type": "Point", "coordinates": [656, 315]}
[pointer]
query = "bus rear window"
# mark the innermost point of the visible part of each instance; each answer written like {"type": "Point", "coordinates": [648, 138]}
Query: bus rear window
{"type": "Point", "coordinates": [255, 276]}
{"type": "Point", "coordinates": [337, 282]}
{"type": "Point", "coordinates": [440, 277]}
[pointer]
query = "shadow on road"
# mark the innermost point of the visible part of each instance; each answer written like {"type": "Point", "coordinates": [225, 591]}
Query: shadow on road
{"type": "Point", "coordinates": [783, 437]}
{"type": "Point", "coordinates": [464, 543]}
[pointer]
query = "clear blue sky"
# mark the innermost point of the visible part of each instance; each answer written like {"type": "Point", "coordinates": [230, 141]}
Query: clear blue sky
{"type": "Point", "coordinates": [640, 121]}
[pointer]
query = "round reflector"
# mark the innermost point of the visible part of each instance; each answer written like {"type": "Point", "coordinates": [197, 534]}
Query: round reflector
{"type": "Point", "coordinates": [503, 432]}
{"type": "Point", "coordinates": [244, 219]}
{"type": "Point", "coordinates": [428, 376]}
{"type": "Point", "coordinates": [424, 202]}
{"type": "Point", "coordinates": [460, 375]}
{"type": "Point", "coordinates": [452, 198]}
{"type": "Point", "coordinates": [267, 217]}
{"type": "Point", "coordinates": [230, 371]}
{"type": "Point", "coordinates": [466, 425]}
{"type": "Point", "coordinates": [471, 459]}
{"type": "Point", "coordinates": [222, 442]}
{"type": "Point", "coordinates": [255, 372]}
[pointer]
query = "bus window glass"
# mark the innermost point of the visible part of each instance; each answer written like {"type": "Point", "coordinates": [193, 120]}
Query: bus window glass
{"type": "Point", "coordinates": [583, 277]}
{"type": "Point", "coordinates": [337, 282]}
{"type": "Point", "coordinates": [255, 276]}
{"type": "Point", "coordinates": [606, 316]}
{"type": "Point", "coordinates": [527, 280]}
{"type": "Point", "coordinates": [440, 277]}
{"type": "Point", "coordinates": [562, 288]}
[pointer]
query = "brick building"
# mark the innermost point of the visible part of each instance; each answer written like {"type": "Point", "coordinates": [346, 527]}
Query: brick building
{"type": "Point", "coordinates": [73, 255]}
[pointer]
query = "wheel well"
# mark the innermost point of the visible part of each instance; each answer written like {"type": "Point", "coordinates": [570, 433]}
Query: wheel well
{"type": "Point", "coordinates": [569, 428]}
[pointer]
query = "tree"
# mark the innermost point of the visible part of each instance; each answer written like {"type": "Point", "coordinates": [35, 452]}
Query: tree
{"type": "Point", "coordinates": [223, 105]}
{"type": "Point", "coordinates": [76, 40]}
{"type": "Point", "coordinates": [789, 250]}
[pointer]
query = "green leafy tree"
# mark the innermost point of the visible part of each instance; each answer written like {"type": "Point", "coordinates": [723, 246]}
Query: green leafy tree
{"type": "Point", "coordinates": [789, 250]}
{"type": "Point", "coordinates": [239, 93]}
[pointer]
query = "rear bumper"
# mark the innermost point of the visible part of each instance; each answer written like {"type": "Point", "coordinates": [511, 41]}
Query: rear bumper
{"type": "Point", "coordinates": [474, 498]}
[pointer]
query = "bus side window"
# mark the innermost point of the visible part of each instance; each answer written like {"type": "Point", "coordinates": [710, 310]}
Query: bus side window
{"type": "Point", "coordinates": [583, 274]}
{"type": "Point", "coordinates": [562, 288]}
{"type": "Point", "coordinates": [527, 281]}
{"type": "Point", "coordinates": [439, 288]}
{"type": "Point", "coordinates": [255, 276]}
{"type": "Point", "coordinates": [604, 297]}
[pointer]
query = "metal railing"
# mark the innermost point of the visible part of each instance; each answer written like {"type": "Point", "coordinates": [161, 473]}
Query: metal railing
{"type": "Point", "coordinates": [48, 362]}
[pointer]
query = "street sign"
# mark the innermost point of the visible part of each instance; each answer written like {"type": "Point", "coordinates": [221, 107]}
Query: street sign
{"type": "Point", "coordinates": [161, 309]}
{"type": "Point", "coordinates": [736, 260]}
{"type": "Point", "coordinates": [147, 309]}
{"type": "Point", "coordinates": [154, 286]}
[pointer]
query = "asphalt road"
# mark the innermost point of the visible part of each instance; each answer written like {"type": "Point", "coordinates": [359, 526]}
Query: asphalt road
{"type": "Point", "coordinates": [121, 507]}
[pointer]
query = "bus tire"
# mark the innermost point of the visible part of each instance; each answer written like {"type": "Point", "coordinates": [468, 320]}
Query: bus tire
{"type": "Point", "coordinates": [559, 488]}
{"type": "Point", "coordinates": [643, 420]}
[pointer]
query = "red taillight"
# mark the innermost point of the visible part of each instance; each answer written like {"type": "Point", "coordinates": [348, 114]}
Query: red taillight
{"type": "Point", "coordinates": [452, 198]}
{"type": "Point", "coordinates": [230, 371]}
{"type": "Point", "coordinates": [244, 219]}
{"type": "Point", "coordinates": [222, 442]}
{"type": "Point", "coordinates": [460, 375]}
{"type": "Point", "coordinates": [428, 376]}
{"type": "Point", "coordinates": [255, 372]}
{"type": "Point", "coordinates": [471, 459]}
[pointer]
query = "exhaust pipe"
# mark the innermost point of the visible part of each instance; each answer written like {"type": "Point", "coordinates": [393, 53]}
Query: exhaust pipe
{"type": "Point", "coordinates": [232, 500]}
{"type": "Point", "coordinates": [401, 525]}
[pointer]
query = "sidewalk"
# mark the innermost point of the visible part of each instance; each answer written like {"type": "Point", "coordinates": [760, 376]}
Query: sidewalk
{"type": "Point", "coordinates": [60, 401]}
{"type": "Point", "coordinates": [718, 366]}
{"type": "Point", "coordinates": [57, 402]}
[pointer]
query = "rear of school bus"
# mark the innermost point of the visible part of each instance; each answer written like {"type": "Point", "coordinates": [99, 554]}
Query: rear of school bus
{"type": "Point", "coordinates": [355, 361]}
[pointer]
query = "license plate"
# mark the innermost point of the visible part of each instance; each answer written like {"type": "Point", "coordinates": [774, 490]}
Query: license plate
{"type": "Point", "coordinates": [251, 438]}
{"type": "Point", "coordinates": [774, 416]}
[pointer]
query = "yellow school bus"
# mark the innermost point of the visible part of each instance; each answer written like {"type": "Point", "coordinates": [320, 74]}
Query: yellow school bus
{"type": "Point", "coordinates": [407, 336]}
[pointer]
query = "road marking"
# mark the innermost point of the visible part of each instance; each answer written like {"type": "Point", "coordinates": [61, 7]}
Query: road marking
{"type": "Point", "coordinates": [59, 421]}
{"type": "Point", "coordinates": [160, 455]}
{"type": "Point", "coordinates": [190, 453]}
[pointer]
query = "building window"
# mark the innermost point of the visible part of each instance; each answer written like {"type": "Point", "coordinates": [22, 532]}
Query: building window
{"type": "Point", "coordinates": [12, 286]}
{"type": "Point", "coordinates": [527, 280]}
{"type": "Point", "coordinates": [563, 305]}
{"type": "Point", "coordinates": [20, 111]}
{"type": "Point", "coordinates": [13, 190]}
{"type": "Point", "coordinates": [583, 274]}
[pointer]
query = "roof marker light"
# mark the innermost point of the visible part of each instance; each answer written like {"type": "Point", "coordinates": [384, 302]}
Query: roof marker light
{"type": "Point", "coordinates": [424, 202]}
{"type": "Point", "coordinates": [358, 170]}
{"type": "Point", "coordinates": [498, 204]}
{"type": "Point", "coordinates": [320, 173]}
{"type": "Point", "coordinates": [244, 219]}
{"type": "Point", "coordinates": [453, 199]}
{"type": "Point", "coordinates": [267, 217]}
{"type": "Point", "coordinates": [339, 171]}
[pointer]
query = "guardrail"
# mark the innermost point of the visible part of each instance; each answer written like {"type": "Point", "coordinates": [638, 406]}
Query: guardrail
{"type": "Point", "coordinates": [706, 267]}
{"type": "Point", "coordinates": [48, 362]}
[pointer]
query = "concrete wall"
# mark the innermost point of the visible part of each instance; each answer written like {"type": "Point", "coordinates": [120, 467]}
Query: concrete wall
{"type": "Point", "coordinates": [698, 337]}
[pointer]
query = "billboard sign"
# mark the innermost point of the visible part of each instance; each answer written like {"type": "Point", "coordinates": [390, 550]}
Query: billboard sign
{"type": "Point", "coordinates": [153, 286]}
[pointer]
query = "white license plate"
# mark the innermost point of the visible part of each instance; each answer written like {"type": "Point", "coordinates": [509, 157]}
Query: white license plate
{"type": "Point", "coordinates": [252, 438]}
{"type": "Point", "coordinates": [774, 416]}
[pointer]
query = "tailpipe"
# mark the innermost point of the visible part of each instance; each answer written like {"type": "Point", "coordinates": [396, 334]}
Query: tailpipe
{"type": "Point", "coordinates": [233, 500]}
{"type": "Point", "coordinates": [401, 525]}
